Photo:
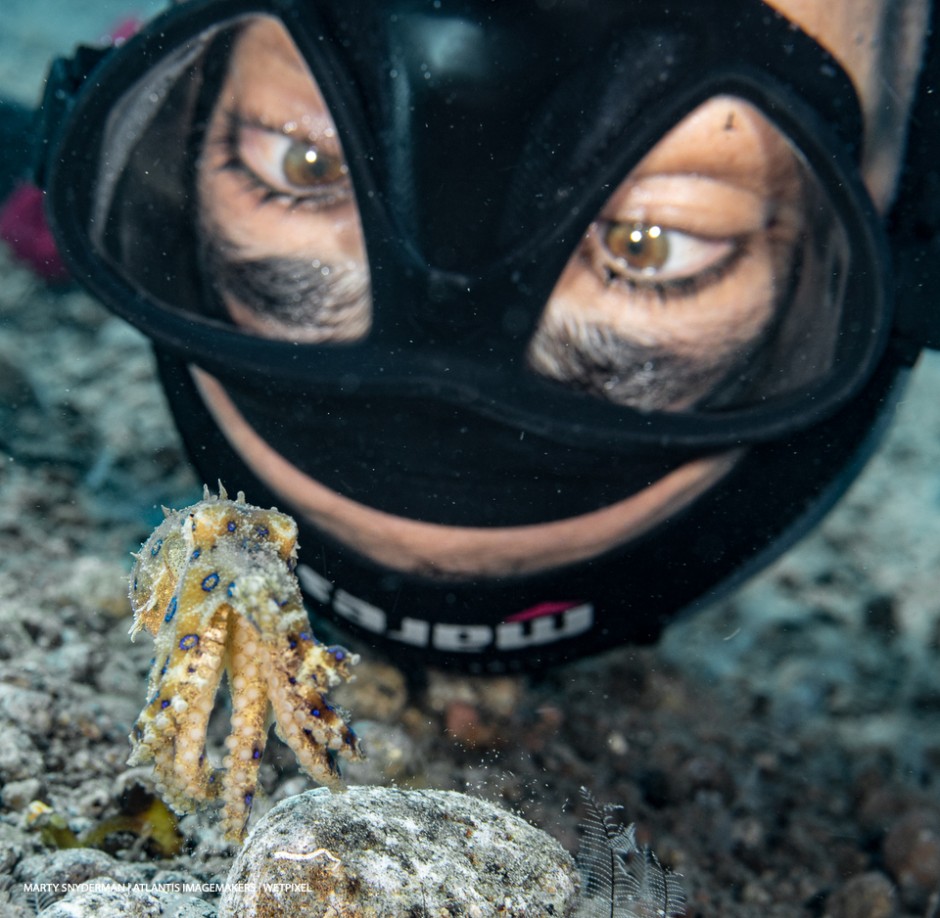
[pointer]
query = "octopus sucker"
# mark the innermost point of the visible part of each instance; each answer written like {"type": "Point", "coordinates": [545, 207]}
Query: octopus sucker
{"type": "Point", "coordinates": [215, 585]}
{"type": "Point", "coordinates": [249, 722]}
{"type": "Point", "coordinates": [203, 664]}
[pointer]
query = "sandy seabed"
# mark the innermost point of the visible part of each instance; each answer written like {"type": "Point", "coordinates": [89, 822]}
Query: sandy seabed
{"type": "Point", "coordinates": [780, 749]}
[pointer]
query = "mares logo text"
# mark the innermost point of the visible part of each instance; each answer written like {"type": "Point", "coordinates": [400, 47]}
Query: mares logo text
{"type": "Point", "coordinates": [507, 636]}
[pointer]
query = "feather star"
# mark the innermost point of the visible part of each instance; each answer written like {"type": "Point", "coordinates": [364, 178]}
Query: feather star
{"type": "Point", "coordinates": [215, 585]}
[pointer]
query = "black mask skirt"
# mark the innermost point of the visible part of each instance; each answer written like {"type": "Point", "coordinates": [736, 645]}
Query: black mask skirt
{"type": "Point", "coordinates": [453, 269]}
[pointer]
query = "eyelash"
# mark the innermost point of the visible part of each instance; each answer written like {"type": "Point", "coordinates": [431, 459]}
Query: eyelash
{"type": "Point", "coordinates": [235, 163]}
{"type": "Point", "coordinates": [674, 289]}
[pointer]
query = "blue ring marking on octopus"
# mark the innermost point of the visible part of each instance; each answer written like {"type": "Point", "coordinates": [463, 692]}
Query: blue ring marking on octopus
{"type": "Point", "coordinates": [338, 653]}
{"type": "Point", "coordinates": [231, 589]}
{"type": "Point", "coordinates": [165, 666]}
{"type": "Point", "coordinates": [315, 712]}
{"type": "Point", "coordinates": [156, 548]}
{"type": "Point", "coordinates": [256, 753]}
{"type": "Point", "coordinates": [231, 526]}
{"type": "Point", "coordinates": [210, 582]}
{"type": "Point", "coordinates": [248, 799]}
{"type": "Point", "coordinates": [170, 610]}
{"type": "Point", "coordinates": [262, 532]}
{"type": "Point", "coordinates": [195, 554]}
{"type": "Point", "coordinates": [164, 704]}
{"type": "Point", "coordinates": [187, 642]}
{"type": "Point", "coordinates": [304, 636]}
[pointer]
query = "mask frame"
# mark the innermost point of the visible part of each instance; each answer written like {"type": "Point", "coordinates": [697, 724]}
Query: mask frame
{"type": "Point", "coordinates": [476, 362]}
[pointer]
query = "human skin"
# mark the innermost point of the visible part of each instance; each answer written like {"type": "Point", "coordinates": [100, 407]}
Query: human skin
{"type": "Point", "coordinates": [879, 44]}
{"type": "Point", "coordinates": [714, 184]}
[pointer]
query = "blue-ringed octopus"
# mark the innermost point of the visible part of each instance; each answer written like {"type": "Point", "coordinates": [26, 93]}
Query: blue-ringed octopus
{"type": "Point", "coordinates": [215, 585]}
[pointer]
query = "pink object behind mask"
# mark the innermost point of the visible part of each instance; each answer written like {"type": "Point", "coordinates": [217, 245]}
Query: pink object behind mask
{"type": "Point", "coordinates": [23, 224]}
{"type": "Point", "coordinates": [24, 229]}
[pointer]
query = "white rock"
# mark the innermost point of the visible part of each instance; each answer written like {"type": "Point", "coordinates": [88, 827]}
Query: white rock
{"type": "Point", "coordinates": [380, 852]}
{"type": "Point", "coordinates": [104, 898]}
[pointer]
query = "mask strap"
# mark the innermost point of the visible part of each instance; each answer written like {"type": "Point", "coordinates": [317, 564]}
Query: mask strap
{"type": "Point", "coordinates": [914, 222]}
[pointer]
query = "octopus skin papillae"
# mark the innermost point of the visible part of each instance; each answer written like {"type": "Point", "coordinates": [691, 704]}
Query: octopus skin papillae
{"type": "Point", "coordinates": [215, 585]}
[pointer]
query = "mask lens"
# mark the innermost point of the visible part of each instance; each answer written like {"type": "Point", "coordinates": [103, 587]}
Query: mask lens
{"type": "Point", "coordinates": [712, 278]}
{"type": "Point", "coordinates": [229, 195]}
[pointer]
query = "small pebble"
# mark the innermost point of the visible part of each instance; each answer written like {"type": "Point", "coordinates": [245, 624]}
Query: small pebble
{"type": "Point", "coordinates": [377, 693]}
{"type": "Point", "coordinates": [912, 856]}
{"type": "Point", "coordinates": [106, 898]}
{"type": "Point", "coordinates": [68, 866]}
{"type": "Point", "coordinates": [867, 895]}
{"type": "Point", "coordinates": [390, 756]}
{"type": "Point", "coordinates": [31, 709]}
{"type": "Point", "coordinates": [16, 795]}
{"type": "Point", "coordinates": [469, 727]}
{"type": "Point", "coordinates": [19, 758]}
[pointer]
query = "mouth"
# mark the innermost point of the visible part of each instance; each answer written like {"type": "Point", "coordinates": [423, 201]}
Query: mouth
{"type": "Point", "coordinates": [458, 552]}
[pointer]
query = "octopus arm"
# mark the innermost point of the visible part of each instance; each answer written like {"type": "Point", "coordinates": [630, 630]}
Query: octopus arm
{"type": "Point", "coordinates": [171, 730]}
{"type": "Point", "coordinates": [246, 667]}
{"type": "Point", "coordinates": [301, 670]}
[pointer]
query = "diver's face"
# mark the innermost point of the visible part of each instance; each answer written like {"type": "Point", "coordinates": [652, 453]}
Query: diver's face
{"type": "Point", "coordinates": [667, 301]}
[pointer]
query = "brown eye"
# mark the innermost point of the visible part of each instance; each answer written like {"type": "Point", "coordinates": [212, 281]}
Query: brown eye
{"type": "Point", "coordinates": [296, 169]}
{"type": "Point", "coordinates": [305, 166]}
{"type": "Point", "coordinates": [650, 253]}
{"type": "Point", "coordinates": [641, 247]}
